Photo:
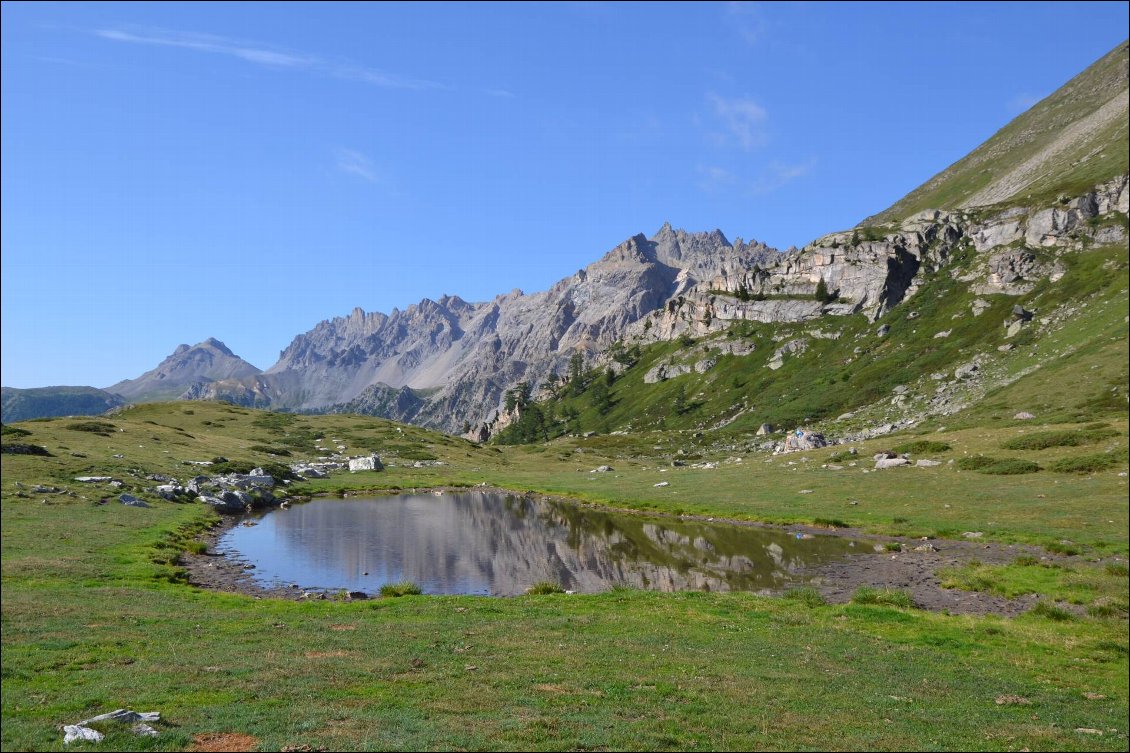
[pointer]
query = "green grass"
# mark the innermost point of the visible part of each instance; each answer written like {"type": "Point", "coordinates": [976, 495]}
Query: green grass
{"type": "Point", "coordinates": [97, 616]}
{"type": "Point", "coordinates": [1081, 584]}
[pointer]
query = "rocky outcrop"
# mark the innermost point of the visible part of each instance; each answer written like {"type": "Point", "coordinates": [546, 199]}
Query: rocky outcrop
{"type": "Point", "coordinates": [186, 369]}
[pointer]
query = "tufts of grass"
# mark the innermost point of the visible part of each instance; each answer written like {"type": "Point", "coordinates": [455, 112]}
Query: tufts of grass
{"type": "Point", "coordinates": [1051, 612]}
{"type": "Point", "coordinates": [922, 446]}
{"type": "Point", "coordinates": [891, 597]}
{"type": "Point", "coordinates": [830, 523]}
{"type": "Point", "coordinates": [1063, 547]}
{"type": "Point", "coordinates": [94, 427]}
{"type": "Point", "coordinates": [196, 547]}
{"type": "Point", "coordinates": [403, 588]}
{"type": "Point", "coordinates": [544, 587]}
{"type": "Point", "coordinates": [808, 596]}
{"type": "Point", "coordinates": [1117, 568]}
{"type": "Point", "coordinates": [13, 431]}
{"type": "Point", "coordinates": [1042, 440]}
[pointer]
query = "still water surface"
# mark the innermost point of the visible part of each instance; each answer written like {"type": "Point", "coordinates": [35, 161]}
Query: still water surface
{"type": "Point", "coordinates": [500, 544]}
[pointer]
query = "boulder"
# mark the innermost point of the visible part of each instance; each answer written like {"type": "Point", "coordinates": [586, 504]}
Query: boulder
{"type": "Point", "coordinates": [221, 505]}
{"type": "Point", "coordinates": [1023, 416]}
{"type": "Point", "coordinates": [764, 429]}
{"type": "Point", "coordinates": [924, 463]}
{"type": "Point", "coordinates": [802, 439]}
{"type": "Point", "coordinates": [891, 463]}
{"type": "Point", "coordinates": [367, 463]}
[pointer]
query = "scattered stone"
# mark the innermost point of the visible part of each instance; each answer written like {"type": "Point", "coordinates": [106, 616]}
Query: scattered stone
{"type": "Point", "coordinates": [662, 483]}
{"type": "Point", "coordinates": [845, 416]}
{"type": "Point", "coordinates": [764, 429]}
{"type": "Point", "coordinates": [81, 730]}
{"type": "Point", "coordinates": [1023, 416]}
{"type": "Point", "coordinates": [890, 463]}
{"type": "Point", "coordinates": [944, 333]}
{"type": "Point", "coordinates": [131, 501]}
{"type": "Point", "coordinates": [805, 491]}
{"type": "Point", "coordinates": [901, 389]}
{"type": "Point", "coordinates": [925, 548]}
{"type": "Point", "coordinates": [973, 534]}
{"type": "Point", "coordinates": [803, 439]}
{"type": "Point", "coordinates": [882, 331]}
{"type": "Point", "coordinates": [93, 479]}
{"type": "Point", "coordinates": [980, 305]}
{"type": "Point", "coordinates": [1006, 347]}
{"type": "Point", "coordinates": [924, 463]}
{"type": "Point", "coordinates": [601, 469]}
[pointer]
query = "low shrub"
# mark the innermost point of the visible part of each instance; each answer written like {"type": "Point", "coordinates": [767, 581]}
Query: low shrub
{"type": "Point", "coordinates": [996, 466]}
{"type": "Point", "coordinates": [922, 446]}
{"type": "Point", "coordinates": [268, 450]}
{"type": "Point", "coordinates": [95, 427]}
{"type": "Point", "coordinates": [13, 431]}
{"type": "Point", "coordinates": [1085, 463]}
{"type": "Point", "coordinates": [19, 448]}
{"type": "Point", "coordinates": [1042, 440]}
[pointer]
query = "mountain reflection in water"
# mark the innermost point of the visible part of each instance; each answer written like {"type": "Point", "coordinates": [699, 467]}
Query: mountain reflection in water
{"type": "Point", "coordinates": [500, 544]}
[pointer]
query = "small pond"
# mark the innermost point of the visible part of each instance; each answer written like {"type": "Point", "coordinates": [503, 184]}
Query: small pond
{"type": "Point", "coordinates": [500, 544]}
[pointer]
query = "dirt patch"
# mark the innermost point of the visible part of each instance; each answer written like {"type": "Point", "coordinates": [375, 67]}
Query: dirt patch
{"type": "Point", "coordinates": [222, 742]}
{"type": "Point", "coordinates": [343, 627]}
{"type": "Point", "coordinates": [325, 654]}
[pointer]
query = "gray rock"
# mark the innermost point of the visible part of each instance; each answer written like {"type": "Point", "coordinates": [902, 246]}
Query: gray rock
{"type": "Point", "coordinates": [221, 504]}
{"type": "Point", "coordinates": [924, 463]}
{"type": "Point", "coordinates": [131, 501]}
{"type": "Point", "coordinates": [367, 463]}
{"type": "Point", "coordinates": [764, 429]}
{"type": "Point", "coordinates": [967, 370]}
{"type": "Point", "coordinates": [803, 439]}
{"type": "Point", "coordinates": [601, 469]}
{"type": "Point", "coordinates": [891, 463]}
{"type": "Point", "coordinates": [1023, 416]}
{"type": "Point", "coordinates": [883, 330]}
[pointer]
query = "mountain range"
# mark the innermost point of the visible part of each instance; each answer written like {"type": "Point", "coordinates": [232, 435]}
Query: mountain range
{"type": "Point", "coordinates": [1003, 223]}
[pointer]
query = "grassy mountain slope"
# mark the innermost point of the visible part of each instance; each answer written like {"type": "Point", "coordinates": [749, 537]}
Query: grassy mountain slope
{"type": "Point", "coordinates": [22, 404]}
{"type": "Point", "coordinates": [1068, 142]}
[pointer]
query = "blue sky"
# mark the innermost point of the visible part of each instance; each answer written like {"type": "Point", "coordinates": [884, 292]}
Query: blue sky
{"type": "Point", "coordinates": [172, 172]}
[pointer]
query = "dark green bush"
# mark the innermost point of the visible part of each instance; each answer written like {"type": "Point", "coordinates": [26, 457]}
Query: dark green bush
{"type": "Point", "coordinates": [95, 427]}
{"type": "Point", "coordinates": [1085, 463]}
{"type": "Point", "coordinates": [18, 448]}
{"type": "Point", "coordinates": [1042, 440]}
{"type": "Point", "coordinates": [922, 446]}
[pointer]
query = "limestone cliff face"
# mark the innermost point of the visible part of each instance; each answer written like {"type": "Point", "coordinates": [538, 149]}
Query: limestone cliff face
{"type": "Point", "coordinates": [204, 362]}
{"type": "Point", "coordinates": [459, 358]}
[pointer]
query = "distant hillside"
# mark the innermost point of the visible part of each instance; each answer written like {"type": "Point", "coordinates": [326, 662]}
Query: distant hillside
{"type": "Point", "coordinates": [46, 402]}
{"type": "Point", "coordinates": [1066, 144]}
{"type": "Point", "coordinates": [187, 367]}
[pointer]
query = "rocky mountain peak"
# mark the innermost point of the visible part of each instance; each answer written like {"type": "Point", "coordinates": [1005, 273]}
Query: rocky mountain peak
{"type": "Point", "coordinates": [206, 361]}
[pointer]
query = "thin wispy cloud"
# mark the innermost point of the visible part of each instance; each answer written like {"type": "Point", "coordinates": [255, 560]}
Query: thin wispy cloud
{"type": "Point", "coordinates": [774, 175]}
{"type": "Point", "coordinates": [500, 93]}
{"type": "Point", "coordinates": [264, 55]}
{"type": "Point", "coordinates": [743, 121]}
{"type": "Point", "coordinates": [354, 162]}
{"type": "Point", "coordinates": [747, 19]}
